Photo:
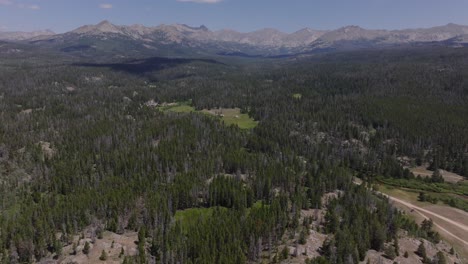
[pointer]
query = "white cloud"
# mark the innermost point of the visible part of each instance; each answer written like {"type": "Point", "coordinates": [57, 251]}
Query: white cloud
{"type": "Point", "coordinates": [106, 6]}
{"type": "Point", "coordinates": [5, 2]}
{"type": "Point", "coordinates": [22, 6]}
{"type": "Point", "coordinates": [202, 1]}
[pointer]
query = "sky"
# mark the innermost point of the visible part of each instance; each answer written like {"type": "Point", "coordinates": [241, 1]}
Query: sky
{"type": "Point", "coordinates": [241, 15]}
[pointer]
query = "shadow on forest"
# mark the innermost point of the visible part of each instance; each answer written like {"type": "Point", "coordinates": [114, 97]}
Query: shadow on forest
{"type": "Point", "coordinates": [141, 66]}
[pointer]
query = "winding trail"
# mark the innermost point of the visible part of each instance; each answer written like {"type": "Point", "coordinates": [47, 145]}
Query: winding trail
{"type": "Point", "coordinates": [423, 212]}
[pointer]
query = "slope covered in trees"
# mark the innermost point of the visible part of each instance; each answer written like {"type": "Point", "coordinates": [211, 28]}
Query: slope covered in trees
{"type": "Point", "coordinates": [119, 163]}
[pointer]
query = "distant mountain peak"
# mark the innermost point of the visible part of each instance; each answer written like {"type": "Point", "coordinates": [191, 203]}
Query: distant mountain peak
{"type": "Point", "coordinates": [102, 27]}
{"type": "Point", "coordinates": [104, 23]}
{"type": "Point", "coordinates": [106, 26]}
{"type": "Point", "coordinates": [305, 30]}
{"type": "Point", "coordinates": [308, 30]}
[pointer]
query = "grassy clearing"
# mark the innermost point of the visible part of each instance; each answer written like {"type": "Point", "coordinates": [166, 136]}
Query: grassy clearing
{"type": "Point", "coordinates": [259, 204]}
{"type": "Point", "coordinates": [180, 107]}
{"type": "Point", "coordinates": [411, 194]}
{"type": "Point", "coordinates": [448, 176]}
{"type": "Point", "coordinates": [402, 194]}
{"type": "Point", "coordinates": [233, 116]}
{"type": "Point", "coordinates": [297, 96]}
{"type": "Point", "coordinates": [460, 188]}
{"type": "Point", "coordinates": [230, 116]}
{"type": "Point", "coordinates": [193, 213]}
{"type": "Point", "coordinates": [190, 217]}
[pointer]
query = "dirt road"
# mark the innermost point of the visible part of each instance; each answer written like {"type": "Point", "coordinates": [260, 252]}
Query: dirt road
{"type": "Point", "coordinates": [428, 214]}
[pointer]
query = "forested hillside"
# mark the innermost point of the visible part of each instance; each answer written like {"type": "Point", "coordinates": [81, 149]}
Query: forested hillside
{"type": "Point", "coordinates": [85, 145]}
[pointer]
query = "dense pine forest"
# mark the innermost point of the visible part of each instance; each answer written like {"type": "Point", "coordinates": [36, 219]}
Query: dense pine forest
{"type": "Point", "coordinates": [85, 146]}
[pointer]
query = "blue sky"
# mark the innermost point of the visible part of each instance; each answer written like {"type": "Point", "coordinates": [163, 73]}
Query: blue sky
{"type": "Point", "coordinates": [242, 15]}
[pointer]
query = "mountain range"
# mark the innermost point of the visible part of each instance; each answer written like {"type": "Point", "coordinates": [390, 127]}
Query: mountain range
{"type": "Point", "coordinates": [180, 38]}
{"type": "Point", "coordinates": [19, 35]}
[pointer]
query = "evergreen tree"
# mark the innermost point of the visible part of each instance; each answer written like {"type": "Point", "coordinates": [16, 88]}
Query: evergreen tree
{"type": "Point", "coordinates": [285, 253]}
{"type": "Point", "coordinates": [86, 248]}
{"type": "Point", "coordinates": [396, 245]}
{"type": "Point", "coordinates": [440, 258]}
{"type": "Point", "coordinates": [103, 256]}
{"type": "Point", "coordinates": [58, 247]}
{"type": "Point", "coordinates": [437, 177]}
{"type": "Point", "coordinates": [390, 252]}
{"type": "Point", "coordinates": [421, 251]}
{"type": "Point", "coordinates": [142, 245]}
{"type": "Point", "coordinates": [422, 197]}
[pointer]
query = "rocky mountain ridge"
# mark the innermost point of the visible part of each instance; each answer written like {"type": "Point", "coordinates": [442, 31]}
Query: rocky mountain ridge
{"type": "Point", "coordinates": [20, 35]}
{"type": "Point", "coordinates": [263, 41]}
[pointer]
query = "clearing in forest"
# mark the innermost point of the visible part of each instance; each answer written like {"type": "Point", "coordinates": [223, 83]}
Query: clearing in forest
{"type": "Point", "coordinates": [111, 243]}
{"type": "Point", "coordinates": [448, 176]}
{"type": "Point", "coordinates": [191, 216]}
{"type": "Point", "coordinates": [230, 116]}
{"type": "Point", "coordinates": [179, 107]}
{"type": "Point", "coordinates": [233, 116]}
{"type": "Point", "coordinates": [297, 96]}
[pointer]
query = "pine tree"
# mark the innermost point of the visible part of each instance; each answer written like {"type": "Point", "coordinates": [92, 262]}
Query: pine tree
{"type": "Point", "coordinates": [437, 176]}
{"type": "Point", "coordinates": [58, 247]}
{"type": "Point", "coordinates": [86, 248]}
{"type": "Point", "coordinates": [285, 253]}
{"type": "Point", "coordinates": [440, 258]}
{"type": "Point", "coordinates": [103, 256]}
{"type": "Point", "coordinates": [421, 251]}
{"type": "Point", "coordinates": [465, 168]}
{"type": "Point", "coordinates": [396, 245]}
{"type": "Point", "coordinates": [303, 236]}
{"type": "Point", "coordinates": [390, 252]}
{"type": "Point", "coordinates": [142, 245]}
{"type": "Point", "coordinates": [99, 233]}
{"type": "Point", "coordinates": [127, 260]}
{"type": "Point", "coordinates": [422, 197]}
{"type": "Point", "coordinates": [426, 225]}
{"type": "Point", "coordinates": [74, 246]}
